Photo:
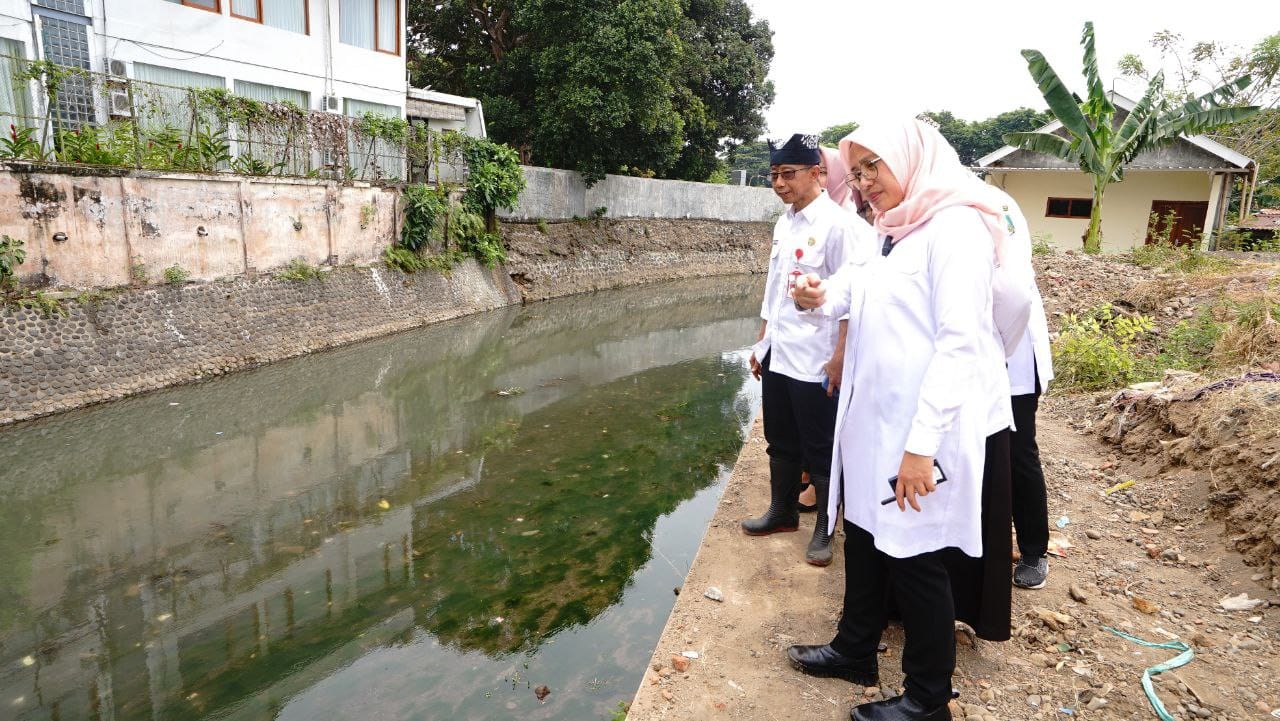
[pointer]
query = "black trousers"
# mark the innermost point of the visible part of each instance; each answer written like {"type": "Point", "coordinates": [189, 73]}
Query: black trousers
{"type": "Point", "coordinates": [1030, 500]}
{"type": "Point", "coordinates": [799, 420]}
{"type": "Point", "coordinates": [921, 590]}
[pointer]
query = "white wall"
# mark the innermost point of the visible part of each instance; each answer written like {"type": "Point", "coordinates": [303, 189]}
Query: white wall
{"type": "Point", "coordinates": [172, 35]}
{"type": "Point", "coordinates": [15, 22]}
{"type": "Point", "coordinates": [552, 194]}
{"type": "Point", "coordinates": [1125, 208]}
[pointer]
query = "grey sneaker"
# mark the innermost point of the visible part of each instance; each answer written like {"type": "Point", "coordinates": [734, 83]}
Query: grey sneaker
{"type": "Point", "coordinates": [1031, 573]}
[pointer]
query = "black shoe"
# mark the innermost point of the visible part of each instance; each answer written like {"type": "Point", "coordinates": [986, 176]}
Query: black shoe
{"type": "Point", "coordinates": [782, 516]}
{"type": "Point", "coordinates": [829, 663]}
{"type": "Point", "coordinates": [899, 708]}
{"type": "Point", "coordinates": [819, 551]}
{"type": "Point", "coordinates": [1031, 573]}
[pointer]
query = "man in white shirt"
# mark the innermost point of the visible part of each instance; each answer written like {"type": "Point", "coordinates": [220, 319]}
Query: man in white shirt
{"type": "Point", "coordinates": [1030, 370]}
{"type": "Point", "coordinates": [800, 354]}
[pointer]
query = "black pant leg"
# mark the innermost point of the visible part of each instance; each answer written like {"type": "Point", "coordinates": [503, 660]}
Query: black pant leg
{"type": "Point", "coordinates": [922, 590]}
{"type": "Point", "coordinates": [780, 431]}
{"type": "Point", "coordinates": [865, 581]}
{"type": "Point", "coordinates": [1030, 499]}
{"type": "Point", "coordinates": [815, 424]}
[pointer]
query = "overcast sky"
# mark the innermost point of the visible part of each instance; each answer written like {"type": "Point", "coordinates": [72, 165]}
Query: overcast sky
{"type": "Point", "coordinates": [842, 60]}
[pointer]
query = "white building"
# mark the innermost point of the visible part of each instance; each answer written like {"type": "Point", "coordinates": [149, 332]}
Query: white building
{"type": "Point", "coordinates": [1187, 181]}
{"type": "Point", "coordinates": [341, 56]}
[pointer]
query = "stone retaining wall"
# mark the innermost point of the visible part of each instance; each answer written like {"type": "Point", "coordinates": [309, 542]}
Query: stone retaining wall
{"type": "Point", "coordinates": [140, 340]}
{"type": "Point", "coordinates": [549, 260]}
{"type": "Point", "coordinates": [122, 342]}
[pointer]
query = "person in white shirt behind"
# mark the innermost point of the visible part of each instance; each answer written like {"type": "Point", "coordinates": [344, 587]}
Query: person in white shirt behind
{"type": "Point", "coordinates": [1030, 370]}
{"type": "Point", "coordinates": [922, 436]}
{"type": "Point", "coordinates": [799, 350]}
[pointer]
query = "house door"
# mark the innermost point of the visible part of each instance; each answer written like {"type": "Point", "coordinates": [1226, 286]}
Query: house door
{"type": "Point", "coordinates": [1183, 220]}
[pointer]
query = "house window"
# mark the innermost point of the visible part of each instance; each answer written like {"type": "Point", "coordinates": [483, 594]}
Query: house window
{"type": "Point", "coordinates": [371, 24]}
{"type": "Point", "coordinates": [1068, 208]}
{"type": "Point", "coordinates": [284, 14]}
{"type": "Point", "coordinates": [210, 5]}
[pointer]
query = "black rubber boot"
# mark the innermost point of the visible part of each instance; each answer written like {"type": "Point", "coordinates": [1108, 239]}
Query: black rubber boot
{"type": "Point", "coordinates": [819, 553]}
{"type": "Point", "coordinates": [782, 516]}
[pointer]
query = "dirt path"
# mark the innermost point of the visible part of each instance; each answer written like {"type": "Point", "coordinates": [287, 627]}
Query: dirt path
{"type": "Point", "coordinates": [1147, 560]}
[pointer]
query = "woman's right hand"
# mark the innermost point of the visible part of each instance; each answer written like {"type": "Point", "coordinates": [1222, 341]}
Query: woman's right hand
{"type": "Point", "coordinates": [810, 291]}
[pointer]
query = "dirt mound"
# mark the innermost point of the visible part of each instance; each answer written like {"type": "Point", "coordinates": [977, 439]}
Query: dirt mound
{"type": "Point", "coordinates": [1072, 282]}
{"type": "Point", "coordinates": [1229, 432]}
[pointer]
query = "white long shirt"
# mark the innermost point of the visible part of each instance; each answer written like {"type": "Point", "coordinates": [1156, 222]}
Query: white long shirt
{"type": "Point", "coordinates": [924, 372]}
{"type": "Point", "coordinates": [821, 238]}
{"type": "Point", "coordinates": [1032, 354]}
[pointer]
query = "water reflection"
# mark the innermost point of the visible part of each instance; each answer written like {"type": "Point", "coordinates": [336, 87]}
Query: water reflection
{"type": "Point", "coordinates": [420, 527]}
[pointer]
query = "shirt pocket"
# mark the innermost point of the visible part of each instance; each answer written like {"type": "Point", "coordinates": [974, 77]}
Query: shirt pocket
{"type": "Point", "coordinates": [904, 280]}
{"type": "Point", "coordinates": [811, 257]}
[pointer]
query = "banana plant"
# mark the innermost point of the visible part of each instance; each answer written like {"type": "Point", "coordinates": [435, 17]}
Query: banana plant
{"type": "Point", "coordinates": [1095, 142]}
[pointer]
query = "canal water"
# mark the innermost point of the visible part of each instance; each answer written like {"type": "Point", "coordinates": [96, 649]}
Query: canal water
{"type": "Point", "coordinates": [427, 526]}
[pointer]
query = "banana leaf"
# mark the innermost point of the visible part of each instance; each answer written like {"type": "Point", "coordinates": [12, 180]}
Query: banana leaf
{"type": "Point", "coordinates": [1055, 92]}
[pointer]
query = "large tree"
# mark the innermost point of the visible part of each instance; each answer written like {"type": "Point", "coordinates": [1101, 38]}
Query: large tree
{"type": "Point", "coordinates": [973, 139]}
{"type": "Point", "coordinates": [1099, 144]}
{"type": "Point", "coordinates": [642, 86]}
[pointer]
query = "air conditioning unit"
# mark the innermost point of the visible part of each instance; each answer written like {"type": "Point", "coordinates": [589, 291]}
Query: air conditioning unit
{"type": "Point", "coordinates": [117, 68]}
{"type": "Point", "coordinates": [331, 102]}
{"type": "Point", "coordinates": [120, 106]}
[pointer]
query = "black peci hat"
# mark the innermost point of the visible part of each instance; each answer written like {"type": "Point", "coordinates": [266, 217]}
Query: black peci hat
{"type": "Point", "coordinates": [799, 150]}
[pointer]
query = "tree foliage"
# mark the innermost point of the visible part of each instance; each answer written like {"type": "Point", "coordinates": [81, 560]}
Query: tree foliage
{"type": "Point", "coordinates": [651, 87]}
{"type": "Point", "coordinates": [1204, 64]}
{"type": "Point", "coordinates": [973, 139]}
{"type": "Point", "coordinates": [1102, 143]}
{"type": "Point", "coordinates": [832, 136]}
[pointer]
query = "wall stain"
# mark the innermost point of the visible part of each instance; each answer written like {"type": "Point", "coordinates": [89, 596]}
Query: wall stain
{"type": "Point", "coordinates": [41, 200]}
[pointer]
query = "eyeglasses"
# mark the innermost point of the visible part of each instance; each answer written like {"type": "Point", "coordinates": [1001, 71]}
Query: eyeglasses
{"type": "Point", "coordinates": [865, 170]}
{"type": "Point", "coordinates": [787, 175]}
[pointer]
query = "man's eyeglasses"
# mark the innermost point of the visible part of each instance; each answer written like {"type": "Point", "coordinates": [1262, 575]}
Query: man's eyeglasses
{"type": "Point", "coordinates": [865, 170]}
{"type": "Point", "coordinates": [787, 175]}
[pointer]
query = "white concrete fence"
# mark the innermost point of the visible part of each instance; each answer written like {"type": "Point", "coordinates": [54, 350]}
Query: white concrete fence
{"type": "Point", "coordinates": [553, 194]}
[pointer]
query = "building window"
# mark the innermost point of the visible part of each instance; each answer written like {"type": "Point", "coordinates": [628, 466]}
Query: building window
{"type": "Point", "coordinates": [1068, 208]}
{"type": "Point", "coordinates": [273, 94]}
{"type": "Point", "coordinates": [371, 24]}
{"type": "Point", "coordinates": [68, 6]}
{"type": "Point", "coordinates": [14, 106]}
{"type": "Point", "coordinates": [67, 43]}
{"type": "Point", "coordinates": [289, 15]}
{"type": "Point", "coordinates": [210, 5]}
{"type": "Point", "coordinates": [374, 158]}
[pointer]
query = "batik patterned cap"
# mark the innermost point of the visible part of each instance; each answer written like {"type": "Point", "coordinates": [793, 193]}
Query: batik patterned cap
{"type": "Point", "coordinates": [798, 150]}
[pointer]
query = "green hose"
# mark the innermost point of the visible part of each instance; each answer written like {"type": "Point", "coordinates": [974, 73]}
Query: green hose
{"type": "Point", "coordinates": [1182, 659]}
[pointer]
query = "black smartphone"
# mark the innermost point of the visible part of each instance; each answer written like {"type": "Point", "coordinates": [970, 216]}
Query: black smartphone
{"type": "Point", "coordinates": [938, 477]}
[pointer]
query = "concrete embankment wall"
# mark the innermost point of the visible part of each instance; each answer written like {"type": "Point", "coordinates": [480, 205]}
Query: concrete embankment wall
{"type": "Point", "coordinates": [121, 340]}
{"type": "Point", "coordinates": [552, 194]}
{"type": "Point", "coordinates": [111, 229]}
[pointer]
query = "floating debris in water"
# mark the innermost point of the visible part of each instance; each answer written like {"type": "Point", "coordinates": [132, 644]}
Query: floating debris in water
{"type": "Point", "coordinates": [512, 391]}
{"type": "Point", "coordinates": [384, 504]}
{"type": "Point", "coordinates": [542, 692]}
